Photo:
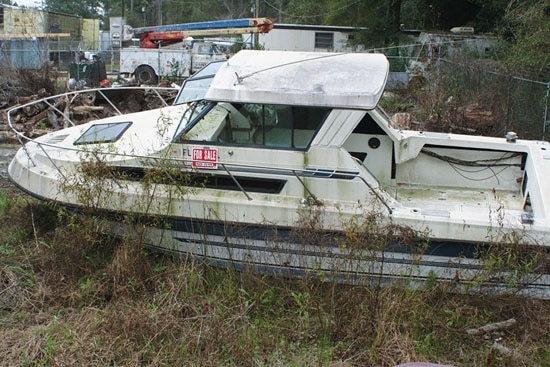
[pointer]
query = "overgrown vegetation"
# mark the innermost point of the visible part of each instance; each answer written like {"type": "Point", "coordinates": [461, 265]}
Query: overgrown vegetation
{"type": "Point", "coordinates": [71, 295]}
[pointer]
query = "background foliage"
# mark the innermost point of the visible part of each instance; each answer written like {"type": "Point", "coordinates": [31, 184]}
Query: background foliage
{"type": "Point", "coordinates": [523, 26]}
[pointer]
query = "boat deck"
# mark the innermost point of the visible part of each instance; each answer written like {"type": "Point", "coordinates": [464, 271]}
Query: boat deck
{"type": "Point", "coordinates": [454, 199]}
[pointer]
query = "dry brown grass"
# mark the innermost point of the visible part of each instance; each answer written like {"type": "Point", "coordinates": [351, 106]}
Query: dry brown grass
{"type": "Point", "coordinates": [71, 296]}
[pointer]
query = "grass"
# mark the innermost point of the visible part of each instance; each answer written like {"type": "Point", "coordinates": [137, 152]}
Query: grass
{"type": "Point", "coordinates": [71, 295]}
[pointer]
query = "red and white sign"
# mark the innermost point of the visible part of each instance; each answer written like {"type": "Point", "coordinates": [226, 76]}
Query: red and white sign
{"type": "Point", "coordinates": [204, 158]}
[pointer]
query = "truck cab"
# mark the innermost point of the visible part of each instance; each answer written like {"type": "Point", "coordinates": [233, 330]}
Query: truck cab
{"type": "Point", "coordinates": [175, 61]}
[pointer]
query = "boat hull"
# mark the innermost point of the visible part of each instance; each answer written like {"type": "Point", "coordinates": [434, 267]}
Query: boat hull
{"type": "Point", "coordinates": [348, 247]}
{"type": "Point", "coordinates": [331, 257]}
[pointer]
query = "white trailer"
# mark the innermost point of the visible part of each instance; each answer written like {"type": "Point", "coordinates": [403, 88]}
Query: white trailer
{"type": "Point", "coordinates": [310, 38]}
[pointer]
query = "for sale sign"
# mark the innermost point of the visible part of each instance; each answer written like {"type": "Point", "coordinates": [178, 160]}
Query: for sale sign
{"type": "Point", "coordinates": [204, 158]}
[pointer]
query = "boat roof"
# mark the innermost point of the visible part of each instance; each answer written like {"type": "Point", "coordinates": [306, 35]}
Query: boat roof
{"type": "Point", "coordinates": [321, 79]}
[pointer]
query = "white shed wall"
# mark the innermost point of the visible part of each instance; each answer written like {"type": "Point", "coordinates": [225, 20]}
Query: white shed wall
{"type": "Point", "coordinates": [298, 40]}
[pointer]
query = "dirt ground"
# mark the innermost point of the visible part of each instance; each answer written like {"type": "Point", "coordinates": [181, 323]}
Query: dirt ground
{"type": "Point", "coordinates": [7, 151]}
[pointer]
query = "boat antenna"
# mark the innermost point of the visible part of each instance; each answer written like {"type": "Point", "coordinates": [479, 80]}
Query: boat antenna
{"type": "Point", "coordinates": [239, 79]}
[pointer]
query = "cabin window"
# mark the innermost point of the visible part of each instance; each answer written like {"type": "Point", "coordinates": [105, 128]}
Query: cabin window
{"type": "Point", "coordinates": [368, 126]}
{"type": "Point", "coordinates": [265, 125]}
{"type": "Point", "coordinates": [103, 133]}
{"type": "Point", "coordinates": [324, 40]}
{"type": "Point", "coordinates": [195, 87]}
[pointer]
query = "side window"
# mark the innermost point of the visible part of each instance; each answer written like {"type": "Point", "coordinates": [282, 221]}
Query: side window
{"type": "Point", "coordinates": [276, 126]}
{"type": "Point", "coordinates": [306, 122]}
{"type": "Point", "coordinates": [324, 41]}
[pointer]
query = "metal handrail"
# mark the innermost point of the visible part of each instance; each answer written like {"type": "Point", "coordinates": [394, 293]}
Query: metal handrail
{"type": "Point", "coordinates": [23, 139]}
{"type": "Point", "coordinates": [73, 94]}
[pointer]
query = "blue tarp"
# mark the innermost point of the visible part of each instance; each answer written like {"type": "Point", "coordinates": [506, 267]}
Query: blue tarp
{"type": "Point", "coordinates": [24, 53]}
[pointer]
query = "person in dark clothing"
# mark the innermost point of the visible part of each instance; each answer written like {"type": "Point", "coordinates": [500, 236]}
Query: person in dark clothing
{"type": "Point", "coordinates": [98, 72]}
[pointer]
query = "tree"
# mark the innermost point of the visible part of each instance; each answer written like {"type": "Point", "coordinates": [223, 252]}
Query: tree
{"type": "Point", "coordinates": [483, 15]}
{"type": "Point", "coordinates": [526, 31]}
{"type": "Point", "coordinates": [85, 9]}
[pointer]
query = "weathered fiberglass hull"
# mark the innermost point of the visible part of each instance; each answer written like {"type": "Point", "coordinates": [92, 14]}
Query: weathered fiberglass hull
{"type": "Point", "coordinates": [280, 162]}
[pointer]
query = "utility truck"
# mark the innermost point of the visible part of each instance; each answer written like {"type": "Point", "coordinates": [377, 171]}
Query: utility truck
{"type": "Point", "coordinates": [172, 51]}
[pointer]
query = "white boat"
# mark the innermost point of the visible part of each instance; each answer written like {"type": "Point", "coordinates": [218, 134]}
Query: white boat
{"type": "Point", "coordinates": [281, 162]}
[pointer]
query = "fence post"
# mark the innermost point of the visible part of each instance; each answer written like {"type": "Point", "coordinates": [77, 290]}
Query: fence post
{"type": "Point", "coordinates": [545, 111]}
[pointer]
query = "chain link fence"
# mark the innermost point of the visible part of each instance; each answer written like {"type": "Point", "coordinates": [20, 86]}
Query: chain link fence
{"type": "Point", "coordinates": [457, 87]}
{"type": "Point", "coordinates": [499, 101]}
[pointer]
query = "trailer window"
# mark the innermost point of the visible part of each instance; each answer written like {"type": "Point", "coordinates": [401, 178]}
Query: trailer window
{"type": "Point", "coordinates": [324, 40]}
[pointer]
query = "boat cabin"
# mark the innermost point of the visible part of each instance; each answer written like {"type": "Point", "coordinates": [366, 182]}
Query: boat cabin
{"type": "Point", "coordinates": [316, 115]}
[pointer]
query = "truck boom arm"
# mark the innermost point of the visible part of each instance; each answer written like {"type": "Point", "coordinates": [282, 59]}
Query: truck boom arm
{"type": "Point", "coordinates": [162, 36]}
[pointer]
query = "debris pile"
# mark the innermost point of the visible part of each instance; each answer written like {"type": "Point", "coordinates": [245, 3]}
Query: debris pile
{"type": "Point", "coordinates": [41, 113]}
{"type": "Point", "coordinates": [475, 117]}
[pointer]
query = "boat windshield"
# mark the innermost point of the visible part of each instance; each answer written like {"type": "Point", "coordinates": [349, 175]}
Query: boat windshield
{"type": "Point", "coordinates": [277, 126]}
{"type": "Point", "coordinates": [195, 87]}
